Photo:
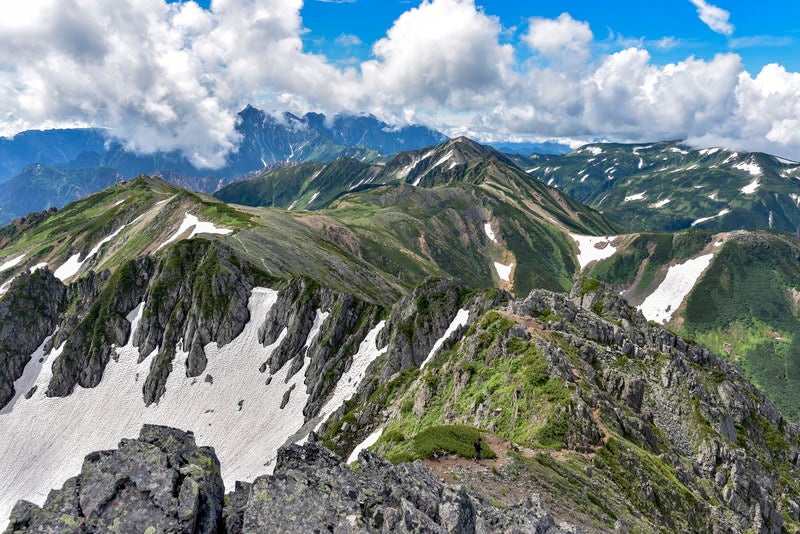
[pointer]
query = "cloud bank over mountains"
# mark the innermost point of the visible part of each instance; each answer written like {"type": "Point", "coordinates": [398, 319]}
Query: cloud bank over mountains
{"type": "Point", "coordinates": [172, 77]}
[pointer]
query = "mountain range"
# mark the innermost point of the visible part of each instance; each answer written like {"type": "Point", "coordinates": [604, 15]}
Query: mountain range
{"type": "Point", "coordinates": [408, 305]}
{"type": "Point", "coordinates": [41, 169]}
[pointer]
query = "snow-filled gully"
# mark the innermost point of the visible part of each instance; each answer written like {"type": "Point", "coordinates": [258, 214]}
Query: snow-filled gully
{"type": "Point", "coordinates": [232, 407]}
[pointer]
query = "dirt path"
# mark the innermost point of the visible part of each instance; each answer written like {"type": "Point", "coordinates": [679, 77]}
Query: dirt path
{"type": "Point", "coordinates": [445, 467]}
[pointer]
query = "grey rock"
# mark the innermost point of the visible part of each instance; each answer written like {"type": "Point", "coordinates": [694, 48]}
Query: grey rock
{"type": "Point", "coordinates": [161, 480]}
{"type": "Point", "coordinates": [311, 490]}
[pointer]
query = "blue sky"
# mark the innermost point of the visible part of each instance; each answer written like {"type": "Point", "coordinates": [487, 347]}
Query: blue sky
{"type": "Point", "coordinates": [765, 32]}
{"type": "Point", "coordinates": [171, 75]}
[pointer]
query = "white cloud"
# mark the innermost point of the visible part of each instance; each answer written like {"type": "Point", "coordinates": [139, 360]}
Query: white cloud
{"type": "Point", "coordinates": [167, 77]}
{"type": "Point", "coordinates": [347, 39]}
{"type": "Point", "coordinates": [442, 53]}
{"type": "Point", "coordinates": [714, 17]}
{"type": "Point", "coordinates": [564, 38]}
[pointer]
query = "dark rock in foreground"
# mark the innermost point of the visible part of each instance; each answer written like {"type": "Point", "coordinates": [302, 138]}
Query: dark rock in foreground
{"type": "Point", "coordinates": [163, 482]}
{"type": "Point", "coordinates": [312, 490]}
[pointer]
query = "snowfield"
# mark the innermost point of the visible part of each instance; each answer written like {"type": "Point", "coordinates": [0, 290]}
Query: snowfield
{"type": "Point", "coordinates": [199, 227]}
{"type": "Point", "coordinates": [370, 440]}
{"type": "Point", "coordinates": [458, 321]}
{"type": "Point", "coordinates": [704, 219]}
{"type": "Point", "coordinates": [750, 188]}
{"type": "Point", "coordinates": [669, 295]}
{"type": "Point", "coordinates": [13, 262]}
{"type": "Point", "coordinates": [71, 267]}
{"type": "Point", "coordinates": [348, 384]}
{"type": "Point", "coordinates": [588, 250]}
{"type": "Point", "coordinates": [489, 233]}
{"type": "Point", "coordinates": [750, 167]}
{"type": "Point", "coordinates": [503, 271]}
{"type": "Point", "coordinates": [637, 196]}
{"type": "Point", "coordinates": [660, 203]}
{"type": "Point", "coordinates": [231, 406]}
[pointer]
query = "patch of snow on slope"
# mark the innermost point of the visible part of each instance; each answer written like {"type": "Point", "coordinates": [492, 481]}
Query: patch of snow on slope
{"type": "Point", "coordinates": [458, 321]}
{"type": "Point", "coordinates": [636, 149]}
{"type": "Point", "coordinates": [441, 160]}
{"type": "Point", "coordinates": [43, 440]}
{"type": "Point", "coordinates": [637, 196]}
{"type": "Point", "coordinates": [29, 375]}
{"type": "Point", "coordinates": [709, 151]}
{"type": "Point", "coordinates": [489, 233]}
{"type": "Point", "coordinates": [313, 198]}
{"type": "Point", "coordinates": [750, 188]}
{"type": "Point", "coordinates": [678, 150]}
{"type": "Point", "coordinates": [669, 295]}
{"type": "Point", "coordinates": [37, 267]}
{"type": "Point", "coordinates": [74, 263]}
{"type": "Point", "coordinates": [750, 166]}
{"type": "Point", "coordinates": [370, 440]}
{"type": "Point", "coordinates": [588, 250]}
{"type": "Point", "coordinates": [661, 203]}
{"type": "Point", "coordinates": [200, 227]}
{"type": "Point", "coordinates": [13, 262]}
{"type": "Point", "coordinates": [641, 163]}
{"type": "Point", "coordinates": [348, 384]}
{"type": "Point", "coordinates": [503, 271]}
{"type": "Point", "coordinates": [730, 158]}
{"type": "Point", "coordinates": [713, 196]}
{"type": "Point", "coordinates": [795, 198]}
{"type": "Point", "coordinates": [785, 161]}
{"type": "Point", "coordinates": [704, 219]}
{"type": "Point", "coordinates": [595, 150]}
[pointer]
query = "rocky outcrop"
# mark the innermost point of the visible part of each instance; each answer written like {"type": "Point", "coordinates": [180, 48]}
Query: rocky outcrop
{"type": "Point", "coordinates": [311, 490]}
{"type": "Point", "coordinates": [160, 482]}
{"type": "Point", "coordinates": [29, 312]}
{"type": "Point", "coordinates": [198, 294]}
{"type": "Point", "coordinates": [97, 322]}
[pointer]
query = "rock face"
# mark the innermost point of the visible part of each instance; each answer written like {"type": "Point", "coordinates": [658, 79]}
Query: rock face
{"type": "Point", "coordinates": [160, 482]}
{"type": "Point", "coordinates": [311, 490]}
{"type": "Point", "coordinates": [28, 314]}
{"type": "Point", "coordinates": [163, 482]}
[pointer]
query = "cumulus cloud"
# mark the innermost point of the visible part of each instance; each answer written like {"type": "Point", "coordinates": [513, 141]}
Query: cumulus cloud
{"type": "Point", "coordinates": [714, 17]}
{"type": "Point", "coordinates": [173, 76]}
{"type": "Point", "coordinates": [442, 53]}
{"type": "Point", "coordinates": [564, 38]}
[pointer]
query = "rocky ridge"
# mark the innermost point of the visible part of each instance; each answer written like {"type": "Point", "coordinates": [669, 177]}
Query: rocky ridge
{"type": "Point", "coordinates": [163, 482]}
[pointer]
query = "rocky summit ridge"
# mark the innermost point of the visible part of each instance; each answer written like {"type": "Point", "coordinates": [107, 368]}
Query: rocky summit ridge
{"type": "Point", "coordinates": [163, 482]}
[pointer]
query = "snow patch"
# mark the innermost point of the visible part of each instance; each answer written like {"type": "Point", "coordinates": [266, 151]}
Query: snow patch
{"type": "Point", "coordinates": [371, 440]}
{"type": "Point", "coordinates": [704, 219]}
{"type": "Point", "coordinates": [678, 150]}
{"type": "Point", "coordinates": [641, 163]}
{"type": "Point", "coordinates": [199, 227]}
{"type": "Point", "coordinates": [13, 262]}
{"type": "Point", "coordinates": [348, 384]}
{"type": "Point", "coordinates": [713, 196]}
{"type": "Point", "coordinates": [661, 203]}
{"type": "Point", "coordinates": [750, 166]}
{"type": "Point", "coordinates": [503, 271]}
{"type": "Point", "coordinates": [668, 296]}
{"type": "Point", "coordinates": [750, 188]}
{"type": "Point", "coordinates": [313, 198]}
{"type": "Point", "coordinates": [589, 251]}
{"type": "Point", "coordinates": [637, 196]}
{"type": "Point", "coordinates": [595, 150]}
{"type": "Point", "coordinates": [489, 233]}
{"type": "Point", "coordinates": [37, 267]}
{"type": "Point", "coordinates": [709, 151]}
{"type": "Point", "coordinates": [43, 440]}
{"type": "Point", "coordinates": [74, 263]}
{"type": "Point", "coordinates": [458, 321]}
